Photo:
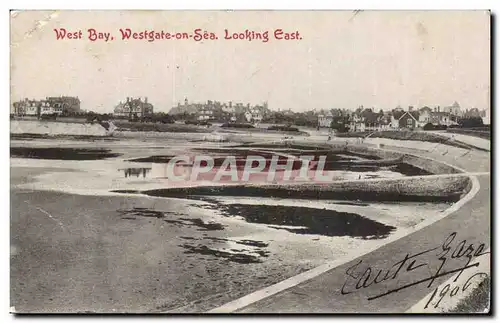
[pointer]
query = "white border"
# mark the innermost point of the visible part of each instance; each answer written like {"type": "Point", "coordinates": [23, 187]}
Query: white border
{"type": "Point", "coordinates": [186, 4]}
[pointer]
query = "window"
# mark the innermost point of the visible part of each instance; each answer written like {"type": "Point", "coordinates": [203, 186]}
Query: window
{"type": "Point", "coordinates": [409, 122]}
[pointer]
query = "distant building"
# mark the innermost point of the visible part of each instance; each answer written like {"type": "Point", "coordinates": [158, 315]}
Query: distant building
{"type": "Point", "coordinates": [453, 109]}
{"type": "Point", "coordinates": [133, 107]}
{"type": "Point", "coordinates": [50, 105]}
{"type": "Point", "coordinates": [357, 122]}
{"type": "Point", "coordinates": [27, 107]}
{"type": "Point", "coordinates": [487, 117]}
{"type": "Point", "coordinates": [409, 120]}
{"type": "Point", "coordinates": [205, 113]}
{"type": "Point", "coordinates": [325, 120]}
{"type": "Point", "coordinates": [442, 118]}
{"type": "Point", "coordinates": [425, 116]}
{"type": "Point", "coordinates": [253, 115]}
{"type": "Point", "coordinates": [65, 104]}
{"type": "Point", "coordinates": [215, 110]}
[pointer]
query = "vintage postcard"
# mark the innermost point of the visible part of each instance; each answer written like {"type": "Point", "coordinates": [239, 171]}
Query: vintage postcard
{"type": "Point", "coordinates": [250, 161]}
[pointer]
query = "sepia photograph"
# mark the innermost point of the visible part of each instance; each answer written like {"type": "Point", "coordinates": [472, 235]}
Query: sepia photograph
{"type": "Point", "coordinates": [250, 161]}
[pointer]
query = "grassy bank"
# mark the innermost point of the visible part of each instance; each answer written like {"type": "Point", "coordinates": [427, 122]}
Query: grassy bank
{"type": "Point", "coordinates": [261, 130]}
{"type": "Point", "coordinates": [484, 134]}
{"type": "Point", "coordinates": [159, 127]}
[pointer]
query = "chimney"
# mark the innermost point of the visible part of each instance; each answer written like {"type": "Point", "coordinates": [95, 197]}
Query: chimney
{"type": "Point", "coordinates": [410, 108]}
{"type": "Point", "coordinates": [145, 99]}
{"type": "Point", "coordinates": [439, 108]}
{"type": "Point", "coordinates": [128, 99]}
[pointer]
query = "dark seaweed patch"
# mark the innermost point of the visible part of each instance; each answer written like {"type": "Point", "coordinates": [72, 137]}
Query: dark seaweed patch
{"type": "Point", "coordinates": [144, 212]}
{"type": "Point", "coordinates": [62, 153]}
{"type": "Point", "coordinates": [211, 226]}
{"type": "Point", "coordinates": [241, 258]}
{"type": "Point", "coordinates": [246, 242]}
{"type": "Point", "coordinates": [153, 159]}
{"type": "Point", "coordinates": [309, 220]}
{"type": "Point", "coordinates": [252, 243]}
{"type": "Point", "coordinates": [32, 136]}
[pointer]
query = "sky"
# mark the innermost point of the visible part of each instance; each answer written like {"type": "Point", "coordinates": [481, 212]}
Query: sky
{"type": "Point", "coordinates": [344, 59]}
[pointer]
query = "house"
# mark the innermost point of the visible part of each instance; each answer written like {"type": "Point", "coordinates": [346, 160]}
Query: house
{"type": "Point", "coordinates": [47, 108]}
{"type": "Point", "coordinates": [487, 117]}
{"type": "Point", "coordinates": [425, 115]}
{"type": "Point", "coordinates": [453, 109]}
{"type": "Point", "coordinates": [133, 107]}
{"type": "Point", "coordinates": [385, 121]}
{"type": "Point", "coordinates": [356, 122]}
{"type": "Point", "coordinates": [254, 115]}
{"type": "Point", "coordinates": [49, 105]}
{"type": "Point", "coordinates": [325, 120]}
{"type": "Point", "coordinates": [205, 113]}
{"type": "Point", "coordinates": [26, 107]}
{"type": "Point", "coordinates": [409, 120]}
{"type": "Point", "coordinates": [64, 104]}
{"type": "Point", "coordinates": [395, 116]}
{"type": "Point", "coordinates": [443, 118]}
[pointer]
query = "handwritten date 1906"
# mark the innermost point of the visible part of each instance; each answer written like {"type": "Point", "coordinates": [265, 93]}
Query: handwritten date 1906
{"type": "Point", "coordinates": [360, 279]}
{"type": "Point", "coordinates": [452, 290]}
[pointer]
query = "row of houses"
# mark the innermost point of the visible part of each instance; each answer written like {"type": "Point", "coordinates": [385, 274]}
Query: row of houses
{"type": "Point", "coordinates": [368, 120]}
{"type": "Point", "coordinates": [215, 110]}
{"type": "Point", "coordinates": [50, 105]}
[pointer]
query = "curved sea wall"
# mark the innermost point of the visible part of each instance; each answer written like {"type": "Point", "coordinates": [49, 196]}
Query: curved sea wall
{"type": "Point", "coordinates": [447, 185]}
{"type": "Point", "coordinates": [430, 165]}
{"type": "Point", "coordinates": [424, 189]}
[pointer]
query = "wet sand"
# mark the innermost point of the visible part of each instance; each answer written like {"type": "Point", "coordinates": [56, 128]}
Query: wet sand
{"type": "Point", "coordinates": [80, 253]}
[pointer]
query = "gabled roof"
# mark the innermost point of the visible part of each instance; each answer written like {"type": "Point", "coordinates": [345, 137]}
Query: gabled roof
{"type": "Point", "coordinates": [411, 114]}
{"type": "Point", "coordinates": [398, 114]}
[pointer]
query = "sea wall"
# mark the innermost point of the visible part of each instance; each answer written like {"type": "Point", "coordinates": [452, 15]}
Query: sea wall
{"type": "Point", "coordinates": [424, 189]}
{"type": "Point", "coordinates": [430, 165]}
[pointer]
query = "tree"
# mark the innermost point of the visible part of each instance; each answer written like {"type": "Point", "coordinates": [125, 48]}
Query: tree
{"type": "Point", "coordinates": [471, 122]}
{"type": "Point", "coordinates": [340, 124]}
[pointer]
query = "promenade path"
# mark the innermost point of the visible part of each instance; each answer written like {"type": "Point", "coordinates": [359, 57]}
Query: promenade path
{"type": "Point", "coordinates": [470, 140]}
{"type": "Point", "coordinates": [321, 292]}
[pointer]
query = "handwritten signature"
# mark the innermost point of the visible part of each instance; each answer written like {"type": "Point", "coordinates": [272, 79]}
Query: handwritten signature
{"type": "Point", "coordinates": [361, 279]}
